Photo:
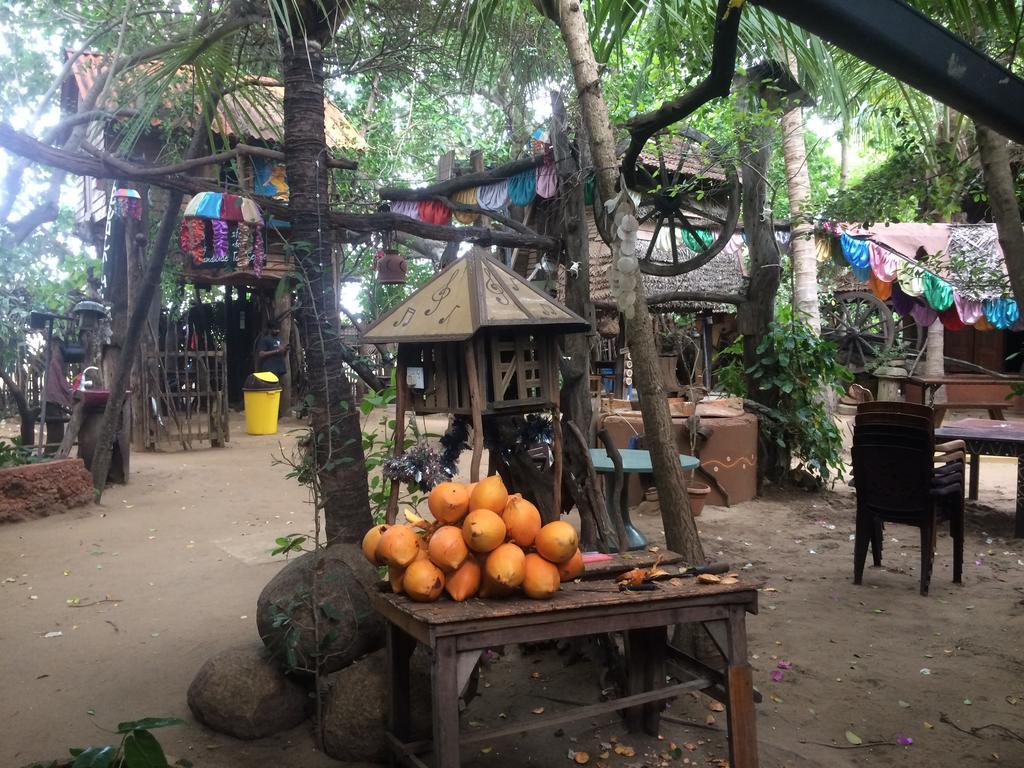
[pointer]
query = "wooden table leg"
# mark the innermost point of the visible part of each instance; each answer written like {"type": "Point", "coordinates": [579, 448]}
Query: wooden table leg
{"type": "Point", "coordinates": [444, 679]}
{"type": "Point", "coordinates": [972, 490]}
{"type": "Point", "coordinates": [400, 648]}
{"type": "Point", "coordinates": [740, 708]}
{"type": "Point", "coordinates": [645, 670]}
{"type": "Point", "coordinates": [1018, 523]}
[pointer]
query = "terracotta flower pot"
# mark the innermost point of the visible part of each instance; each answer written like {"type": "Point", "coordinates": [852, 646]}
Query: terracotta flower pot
{"type": "Point", "coordinates": [698, 493]}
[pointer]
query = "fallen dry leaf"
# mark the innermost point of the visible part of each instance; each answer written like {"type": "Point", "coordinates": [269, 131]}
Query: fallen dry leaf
{"type": "Point", "coordinates": [538, 710]}
{"type": "Point", "coordinates": [709, 720]}
{"type": "Point", "coordinates": [581, 758]}
{"type": "Point", "coordinates": [622, 749]}
{"type": "Point", "coordinates": [689, 745]}
{"type": "Point", "coordinates": [634, 577]}
{"type": "Point", "coordinates": [709, 578]}
{"type": "Point", "coordinates": [716, 706]}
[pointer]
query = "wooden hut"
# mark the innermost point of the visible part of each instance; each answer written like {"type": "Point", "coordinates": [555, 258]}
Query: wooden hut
{"type": "Point", "coordinates": [476, 340]}
{"type": "Point", "coordinates": [194, 364]}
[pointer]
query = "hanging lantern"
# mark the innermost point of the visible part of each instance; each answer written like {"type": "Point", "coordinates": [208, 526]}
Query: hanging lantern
{"type": "Point", "coordinates": [89, 314]}
{"type": "Point", "coordinates": [220, 230]}
{"type": "Point", "coordinates": [126, 203]}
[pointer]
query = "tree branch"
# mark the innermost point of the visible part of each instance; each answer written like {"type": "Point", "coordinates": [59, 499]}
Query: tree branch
{"type": "Point", "coordinates": [715, 85]}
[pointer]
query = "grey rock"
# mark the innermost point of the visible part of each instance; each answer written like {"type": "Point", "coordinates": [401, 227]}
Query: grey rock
{"type": "Point", "coordinates": [349, 627]}
{"type": "Point", "coordinates": [356, 708]}
{"type": "Point", "coordinates": [243, 692]}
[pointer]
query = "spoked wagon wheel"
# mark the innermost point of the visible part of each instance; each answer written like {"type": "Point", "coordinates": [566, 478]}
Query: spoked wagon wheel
{"type": "Point", "coordinates": [860, 325]}
{"type": "Point", "coordinates": [689, 201]}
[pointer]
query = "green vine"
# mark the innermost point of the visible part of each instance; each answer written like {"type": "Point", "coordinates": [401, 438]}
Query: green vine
{"type": "Point", "coordinates": [799, 367]}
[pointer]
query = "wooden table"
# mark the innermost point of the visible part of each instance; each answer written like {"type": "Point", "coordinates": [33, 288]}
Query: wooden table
{"type": "Point", "coordinates": [456, 633]}
{"type": "Point", "coordinates": [992, 388]}
{"type": "Point", "coordinates": [984, 437]}
{"type": "Point", "coordinates": [633, 460]}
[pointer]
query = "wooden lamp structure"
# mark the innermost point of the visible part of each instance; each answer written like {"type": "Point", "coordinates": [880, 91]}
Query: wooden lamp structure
{"type": "Point", "coordinates": [477, 340]}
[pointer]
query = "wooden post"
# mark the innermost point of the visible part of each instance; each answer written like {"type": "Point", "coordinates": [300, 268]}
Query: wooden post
{"type": "Point", "coordinates": [476, 407]}
{"type": "Point", "coordinates": [283, 315]}
{"type": "Point", "coordinates": [401, 389]}
{"type": "Point", "coordinates": [556, 450]}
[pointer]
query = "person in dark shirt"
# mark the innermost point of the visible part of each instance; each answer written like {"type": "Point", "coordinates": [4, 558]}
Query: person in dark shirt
{"type": "Point", "coordinates": [272, 351]}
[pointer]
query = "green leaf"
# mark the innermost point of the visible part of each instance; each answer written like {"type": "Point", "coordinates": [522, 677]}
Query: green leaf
{"type": "Point", "coordinates": [853, 738]}
{"type": "Point", "coordinates": [142, 750]}
{"type": "Point", "coordinates": [148, 723]}
{"type": "Point", "coordinates": [95, 757]}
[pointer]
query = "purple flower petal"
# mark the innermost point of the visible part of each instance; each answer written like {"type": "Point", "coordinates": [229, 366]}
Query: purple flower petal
{"type": "Point", "coordinates": [785, 665]}
{"type": "Point", "coordinates": [904, 741]}
{"type": "Point", "coordinates": [777, 675]}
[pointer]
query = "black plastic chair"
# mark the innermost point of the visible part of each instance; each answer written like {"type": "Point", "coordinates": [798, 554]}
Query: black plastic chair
{"type": "Point", "coordinates": [896, 481]}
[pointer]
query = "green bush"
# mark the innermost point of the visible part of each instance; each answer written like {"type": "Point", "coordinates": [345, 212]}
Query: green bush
{"type": "Point", "coordinates": [797, 368]}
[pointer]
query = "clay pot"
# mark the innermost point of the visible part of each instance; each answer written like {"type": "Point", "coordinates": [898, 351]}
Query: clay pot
{"type": "Point", "coordinates": [698, 493]}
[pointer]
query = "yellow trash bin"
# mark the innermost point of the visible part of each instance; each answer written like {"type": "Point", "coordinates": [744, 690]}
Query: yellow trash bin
{"type": "Point", "coordinates": [262, 400]}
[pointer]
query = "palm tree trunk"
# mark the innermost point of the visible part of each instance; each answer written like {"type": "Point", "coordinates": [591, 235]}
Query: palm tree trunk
{"type": "Point", "coordinates": [336, 442]}
{"type": "Point", "coordinates": [680, 530]}
{"type": "Point", "coordinates": [995, 163]}
{"type": "Point", "coordinates": [798, 183]}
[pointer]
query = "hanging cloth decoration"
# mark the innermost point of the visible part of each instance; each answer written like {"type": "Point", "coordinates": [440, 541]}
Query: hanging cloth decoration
{"type": "Point", "coordinates": [983, 325]}
{"type": "Point", "coordinates": [923, 315]}
{"type": "Point", "coordinates": [1002, 313]}
{"type": "Point", "coordinates": [881, 288]}
{"type": "Point", "coordinates": [951, 319]}
{"type": "Point", "coordinates": [522, 187]}
{"type": "Point", "coordinates": [822, 249]}
{"type": "Point", "coordinates": [127, 204]}
{"type": "Point", "coordinates": [863, 274]}
{"type": "Point", "coordinates": [699, 242]}
{"type": "Point", "coordinates": [220, 230]}
{"type": "Point", "coordinates": [494, 196]}
{"type": "Point", "coordinates": [466, 197]}
{"type": "Point", "coordinates": [409, 208]}
{"type": "Point", "coordinates": [937, 292]}
{"type": "Point", "coordinates": [911, 278]}
{"type": "Point", "coordinates": [547, 178]}
{"type": "Point", "coordinates": [969, 310]}
{"type": "Point", "coordinates": [901, 303]}
{"type": "Point", "coordinates": [883, 263]}
{"type": "Point", "coordinates": [435, 212]}
{"type": "Point", "coordinates": [855, 251]}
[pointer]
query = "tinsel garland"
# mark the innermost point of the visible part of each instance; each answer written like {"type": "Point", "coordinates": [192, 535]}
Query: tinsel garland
{"type": "Point", "coordinates": [424, 466]}
{"type": "Point", "coordinates": [534, 431]}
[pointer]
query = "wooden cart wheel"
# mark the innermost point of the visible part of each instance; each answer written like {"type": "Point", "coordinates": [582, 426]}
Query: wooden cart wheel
{"type": "Point", "coordinates": [693, 190]}
{"type": "Point", "coordinates": [860, 325]}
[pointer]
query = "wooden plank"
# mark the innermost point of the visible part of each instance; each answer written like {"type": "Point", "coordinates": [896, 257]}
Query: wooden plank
{"type": "Point", "coordinates": [740, 715]}
{"type": "Point", "coordinates": [445, 701]}
{"type": "Point", "coordinates": [576, 626]}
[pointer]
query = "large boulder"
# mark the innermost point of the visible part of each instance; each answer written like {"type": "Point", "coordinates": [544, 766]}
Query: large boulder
{"type": "Point", "coordinates": [349, 627]}
{"type": "Point", "coordinates": [356, 708]}
{"type": "Point", "coordinates": [243, 692]}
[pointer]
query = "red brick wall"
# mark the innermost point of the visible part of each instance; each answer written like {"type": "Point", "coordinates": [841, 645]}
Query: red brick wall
{"type": "Point", "coordinates": [39, 490]}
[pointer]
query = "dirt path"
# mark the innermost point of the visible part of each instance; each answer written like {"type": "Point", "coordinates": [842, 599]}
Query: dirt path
{"type": "Point", "coordinates": [167, 572]}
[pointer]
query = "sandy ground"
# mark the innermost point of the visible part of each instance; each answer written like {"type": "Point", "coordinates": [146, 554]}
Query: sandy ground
{"type": "Point", "coordinates": [168, 570]}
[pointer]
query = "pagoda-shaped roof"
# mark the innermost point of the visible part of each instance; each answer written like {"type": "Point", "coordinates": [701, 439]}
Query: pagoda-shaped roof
{"type": "Point", "coordinates": [472, 293]}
